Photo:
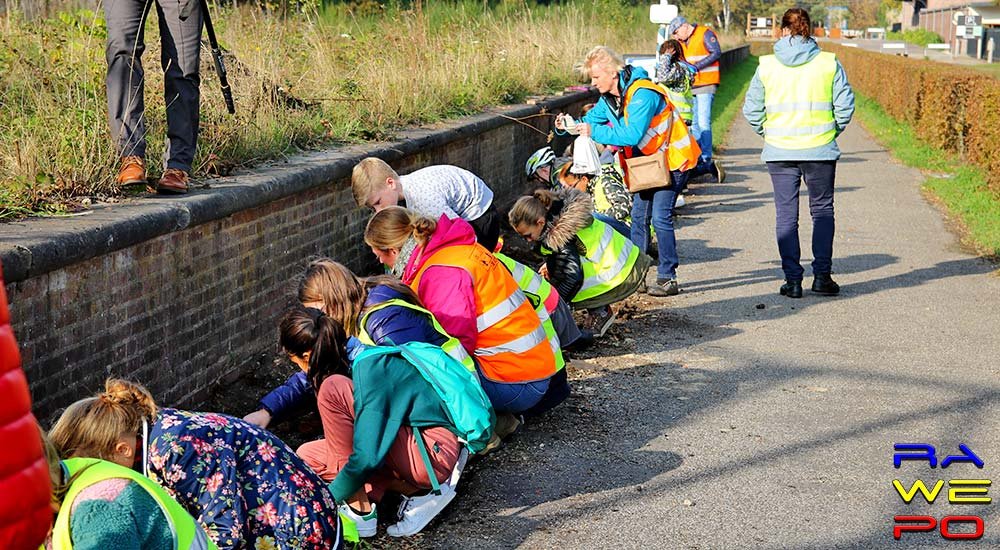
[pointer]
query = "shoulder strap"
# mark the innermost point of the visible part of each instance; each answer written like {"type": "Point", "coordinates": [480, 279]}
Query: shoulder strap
{"type": "Point", "coordinates": [422, 447]}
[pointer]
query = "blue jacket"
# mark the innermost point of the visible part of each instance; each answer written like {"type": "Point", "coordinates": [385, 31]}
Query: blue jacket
{"type": "Point", "coordinates": [792, 52]}
{"type": "Point", "coordinates": [392, 325]}
{"type": "Point", "coordinates": [641, 109]}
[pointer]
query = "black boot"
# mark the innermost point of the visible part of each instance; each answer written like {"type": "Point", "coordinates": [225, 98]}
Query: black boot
{"type": "Point", "coordinates": [824, 285]}
{"type": "Point", "coordinates": [792, 289]}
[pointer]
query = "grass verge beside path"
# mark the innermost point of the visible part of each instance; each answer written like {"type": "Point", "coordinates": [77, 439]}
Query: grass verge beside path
{"type": "Point", "coordinates": [960, 187]}
{"type": "Point", "coordinates": [728, 100]}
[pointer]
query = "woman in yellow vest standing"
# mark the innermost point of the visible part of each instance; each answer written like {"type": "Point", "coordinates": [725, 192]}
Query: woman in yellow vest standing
{"type": "Point", "coordinates": [800, 101]}
{"type": "Point", "coordinates": [643, 123]}
{"type": "Point", "coordinates": [701, 49]}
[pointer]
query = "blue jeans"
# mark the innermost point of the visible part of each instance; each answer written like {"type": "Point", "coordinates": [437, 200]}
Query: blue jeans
{"type": "Point", "coordinates": [701, 127]}
{"type": "Point", "coordinates": [618, 226]}
{"type": "Point", "coordinates": [657, 206]}
{"type": "Point", "coordinates": [786, 177]}
{"type": "Point", "coordinates": [528, 398]}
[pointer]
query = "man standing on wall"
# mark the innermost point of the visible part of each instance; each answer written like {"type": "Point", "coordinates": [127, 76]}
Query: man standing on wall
{"type": "Point", "coordinates": [701, 49]}
{"type": "Point", "coordinates": [180, 38]}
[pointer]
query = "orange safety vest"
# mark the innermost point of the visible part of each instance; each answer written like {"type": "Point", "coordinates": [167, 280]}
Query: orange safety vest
{"type": "Point", "coordinates": [511, 345]}
{"type": "Point", "coordinates": [694, 51]}
{"type": "Point", "coordinates": [667, 133]}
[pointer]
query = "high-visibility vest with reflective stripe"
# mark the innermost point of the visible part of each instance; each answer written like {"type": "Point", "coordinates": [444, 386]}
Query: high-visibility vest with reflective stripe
{"type": "Point", "coordinates": [608, 262]}
{"type": "Point", "coordinates": [694, 51]}
{"type": "Point", "coordinates": [511, 345]}
{"type": "Point", "coordinates": [667, 133]}
{"type": "Point", "coordinates": [188, 535]}
{"type": "Point", "coordinates": [798, 101]}
{"type": "Point", "coordinates": [683, 103]}
{"type": "Point", "coordinates": [451, 345]}
{"type": "Point", "coordinates": [538, 291]}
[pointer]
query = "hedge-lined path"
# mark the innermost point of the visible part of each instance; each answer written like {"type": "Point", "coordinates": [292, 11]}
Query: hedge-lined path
{"type": "Point", "coordinates": [731, 417]}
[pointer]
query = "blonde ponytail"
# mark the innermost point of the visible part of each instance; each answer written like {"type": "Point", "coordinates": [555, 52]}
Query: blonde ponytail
{"type": "Point", "coordinates": [391, 227]}
{"type": "Point", "coordinates": [92, 427]}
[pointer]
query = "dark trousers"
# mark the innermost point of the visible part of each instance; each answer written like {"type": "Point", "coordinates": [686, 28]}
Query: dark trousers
{"type": "Point", "coordinates": [487, 228]}
{"type": "Point", "coordinates": [657, 206]}
{"type": "Point", "coordinates": [181, 46]}
{"type": "Point", "coordinates": [786, 177]}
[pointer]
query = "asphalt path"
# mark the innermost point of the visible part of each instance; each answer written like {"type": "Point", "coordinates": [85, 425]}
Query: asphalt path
{"type": "Point", "coordinates": [732, 417]}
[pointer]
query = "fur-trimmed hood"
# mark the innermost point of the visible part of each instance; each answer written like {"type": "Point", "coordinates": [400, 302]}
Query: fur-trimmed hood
{"type": "Point", "coordinates": [572, 211]}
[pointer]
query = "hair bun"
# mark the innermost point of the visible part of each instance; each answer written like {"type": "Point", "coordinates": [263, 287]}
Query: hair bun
{"type": "Point", "coordinates": [123, 392]}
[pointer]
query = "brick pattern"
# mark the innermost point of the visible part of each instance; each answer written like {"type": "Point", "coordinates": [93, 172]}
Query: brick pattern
{"type": "Point", "coordinates": [189, 310]}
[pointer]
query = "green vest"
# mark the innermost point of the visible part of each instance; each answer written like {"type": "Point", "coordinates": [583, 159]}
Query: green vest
{"type": "Point", "coordinates": [538, 290]}
{"type": "Point", "coordinates": [683, 103]}
{"type": "Point", "coordinates": [187, 534]}
{"type": "Point", "coordinates": [608, 262]}
{"type": "Point", "coordinates": [798, 102]}
{"type": "Point", "coordinates": [451, 346]}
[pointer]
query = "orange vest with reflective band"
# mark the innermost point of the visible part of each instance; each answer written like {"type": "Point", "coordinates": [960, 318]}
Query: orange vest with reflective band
{"type": "Point", "coordinates": [694, 51]}
{"type": "Point", "coordinates": [512, 345]}
{"type": "Point", "coordinates": [667, 133]}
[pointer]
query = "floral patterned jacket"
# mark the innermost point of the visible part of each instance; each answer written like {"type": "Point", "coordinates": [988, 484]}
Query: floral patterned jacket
{"type": "Point", "coordinates": [244, 485]}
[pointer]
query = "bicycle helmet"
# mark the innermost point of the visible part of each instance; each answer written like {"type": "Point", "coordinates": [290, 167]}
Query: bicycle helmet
{"type": "Point", "coordinates": [538, 159]}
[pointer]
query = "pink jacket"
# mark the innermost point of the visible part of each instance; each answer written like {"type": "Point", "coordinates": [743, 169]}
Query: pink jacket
{"type": "Point", "coordinates": [25, 512]}
{"type": "Point", "coordinates": [445, 290]}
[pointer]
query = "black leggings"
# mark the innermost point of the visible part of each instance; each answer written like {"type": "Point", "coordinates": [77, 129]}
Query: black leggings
{"type": "Point", "coordinates": [487, 228]}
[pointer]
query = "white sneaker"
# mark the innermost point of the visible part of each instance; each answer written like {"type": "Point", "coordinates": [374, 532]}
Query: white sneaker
{"type": "Point", "coordinates": [367, 524]}
{"type": "Point", "coordinates": [456, 473]}
{"type": "Point", "coordinates": [416, 512]}
{"type": "Point", "coordinates": [680, 201]}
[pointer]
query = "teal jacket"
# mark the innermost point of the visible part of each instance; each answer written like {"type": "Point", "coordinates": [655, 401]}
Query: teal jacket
{"type": "Point", "coordinates": [792, 52]}
{"type": "Point", "coordinates": [642, 108]}
{"type": "Point", "coordinates": [389, 394]}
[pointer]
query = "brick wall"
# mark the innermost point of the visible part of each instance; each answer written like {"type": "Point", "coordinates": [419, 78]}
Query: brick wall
{"type": "Point", "coordinates": [188, 309]}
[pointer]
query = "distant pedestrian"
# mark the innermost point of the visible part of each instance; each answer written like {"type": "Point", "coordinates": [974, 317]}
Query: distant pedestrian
{"type": "Point", "coordinates": [800, 101]}
{"type": "Point", "coordinates": [180, 40]}
{"type": "Point", "coordinates": [701, 49]}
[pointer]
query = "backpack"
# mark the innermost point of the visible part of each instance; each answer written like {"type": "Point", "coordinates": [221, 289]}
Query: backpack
{"type": "Point", "coordinates": [464, 400]}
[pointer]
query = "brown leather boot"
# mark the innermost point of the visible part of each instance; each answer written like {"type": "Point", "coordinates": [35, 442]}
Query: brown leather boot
{"type": "Point", "coordinates": [173, 182]}
{"type": "Point", "coordinates": [132, 171]}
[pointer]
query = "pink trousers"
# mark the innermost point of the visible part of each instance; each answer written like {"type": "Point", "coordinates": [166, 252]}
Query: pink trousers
{"type": "Point", "coordinates": [403, 463]}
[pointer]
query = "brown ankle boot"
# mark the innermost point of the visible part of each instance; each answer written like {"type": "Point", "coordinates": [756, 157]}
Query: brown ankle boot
{"type": "Point", "coordinates": [173, 181]}
{"type": "Point", "coordinates": [132, 171]}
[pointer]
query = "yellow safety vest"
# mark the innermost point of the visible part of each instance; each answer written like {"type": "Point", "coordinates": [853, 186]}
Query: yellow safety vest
{"type": "Point", "coordinates": [798, 102]}
{"type": "Point", "coordinates": [538, 290]}
{"type": "Point", "coordinates": [683, 103]}
{"type": "Point", "coordinates": [452, 345]}
{"type": "Point", "coordinates": [188, 535]}
{"type": "Point", "coordinates": [608, 262]}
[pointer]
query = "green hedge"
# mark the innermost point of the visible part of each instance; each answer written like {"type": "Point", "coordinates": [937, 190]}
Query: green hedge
{"type": "Point", "coordinates": [953, 108]}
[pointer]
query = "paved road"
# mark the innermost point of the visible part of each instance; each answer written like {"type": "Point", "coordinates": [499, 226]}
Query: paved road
{"type": "Point", "coordinates": [730, 417]}
{"type": "Point", "coordinates": [911, 50]}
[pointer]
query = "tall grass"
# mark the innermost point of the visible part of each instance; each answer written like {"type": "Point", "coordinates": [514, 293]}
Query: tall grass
{"type": "Point", "coordinates": [365, 74]}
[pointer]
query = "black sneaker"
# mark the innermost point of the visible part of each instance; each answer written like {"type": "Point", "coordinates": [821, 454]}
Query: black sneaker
{"type": "Point", "coordinates": [664, 287]}
{"type": "Point", "coordinates": [601, 321]}
{"type": "Point", "coordinates": [792, 289]}
{"type": "Point", "coordinates": [824, 285]}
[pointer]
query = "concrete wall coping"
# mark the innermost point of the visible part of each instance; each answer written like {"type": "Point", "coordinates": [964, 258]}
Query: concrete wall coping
{"type": "Point", "coordinates": [35, 246]}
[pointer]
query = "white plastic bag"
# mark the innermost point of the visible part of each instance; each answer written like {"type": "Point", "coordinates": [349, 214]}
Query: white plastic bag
{"type": "Point", "coordinates": [586, 159]}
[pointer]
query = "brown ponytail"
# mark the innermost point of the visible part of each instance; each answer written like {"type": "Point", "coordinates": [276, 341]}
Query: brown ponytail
{"type": "Point", "coordinates": [389, 228]}
{"type": "Point", "coordinates": [797, 21]}
{"type": "Point", "coordinates": [337, 288]}
{"type": "Point", "coordinates": [92, 427]}
{"type": "Point", "coordinates": [531, 208]}
{"type": "Point", "coordinates": [307, 329]}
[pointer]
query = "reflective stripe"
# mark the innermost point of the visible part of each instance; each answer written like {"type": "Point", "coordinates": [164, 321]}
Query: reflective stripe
{"type": "Point", "coordinates": [801, 131]}
{"type": "Point", "coordinates": [713, 68]}
{"type": "Point", "coordinates": [796, 106]}
{"type": "Point", "coordinates": [610, 273]}
{"type": "Point", "coordinates": [496, 313]}
{"type": "Point", "coordinates": [691, 58]}
{"type": "Point", "coordinates": [518, 345]}
{"type": "Point", "coordinates": [529, 281]}
{"type": "Point", "coordinates": [454, 348]}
